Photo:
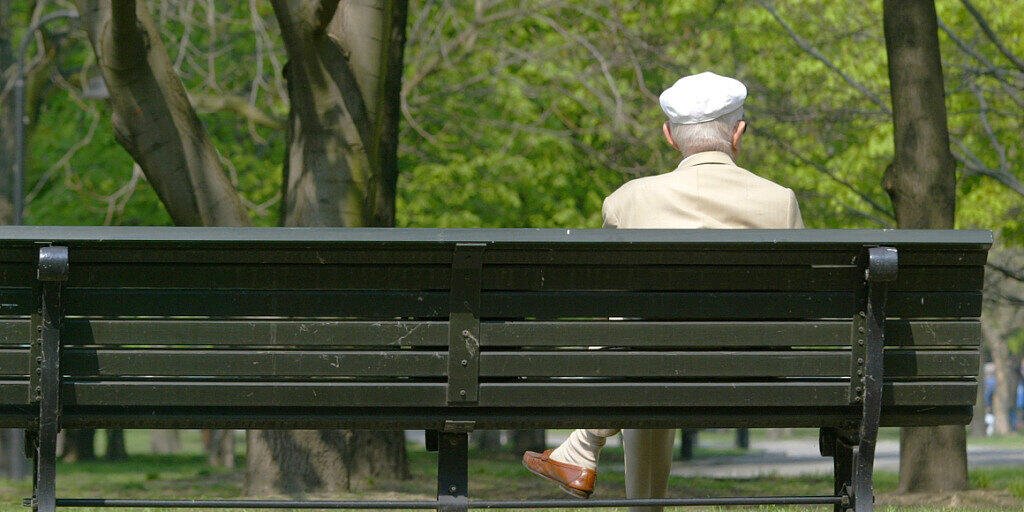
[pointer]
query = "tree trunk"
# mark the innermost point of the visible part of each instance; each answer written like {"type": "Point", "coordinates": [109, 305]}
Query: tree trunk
{"type": "Point", "coordinates": [1005, 392]}
{"type": "Point", "coordinates": [296, 462]}
{"type": "Point", "coordinates": [79, 445]}
{"type": "Point", "coordinates": [164, 442]}
{"type": "Point", "coordinates": [220, 448]}
{"type": "Point", "coordinates": [344, 79]}
{"type": "Point", "coordinates": [922, 185]}
{"type": "Point", "coordinates": [523, 440]}
{"type": "Point", "coordinates": [13, 463]}
{"type": "Point", "coordinates": [153, 118]}
{"type": "Point", "coordinates": [116, 449]}
{"type": "Point", "coordinates": [487, 440]}
{"type": "Point", "coordinates": [7, 120]}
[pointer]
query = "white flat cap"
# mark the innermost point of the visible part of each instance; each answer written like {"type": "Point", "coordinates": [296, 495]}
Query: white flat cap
{"type": "Point", "coordinates": [703, 97]}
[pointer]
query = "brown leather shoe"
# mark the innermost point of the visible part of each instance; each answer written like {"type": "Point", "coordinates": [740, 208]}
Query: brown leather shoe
{"type": "Point", "coordinates": [574, 480]}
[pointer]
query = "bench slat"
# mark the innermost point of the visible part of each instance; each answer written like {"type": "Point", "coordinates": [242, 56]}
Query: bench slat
{"type": "Point", "coordinates": [722, 305]}
{"type": "Point", "coordinates": [723, 394]}
{"type": "Point", "coordinates": [553, 277]}
{"type": "Point", "coordinates": [256, 333]}
{"type": "Point", "coordinates": [721, 334]}
{"type": "Point", "coordinates": [691, 365]}
{"type": "Point", "coordinates": [416, 394]}
{"type": "Point", "coordinates": [298, 333]}
{"type": "Point", "coordinates": [236, 363]}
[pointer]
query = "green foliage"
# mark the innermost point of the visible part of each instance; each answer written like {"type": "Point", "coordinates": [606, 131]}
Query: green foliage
{"type": "Point", "coordinates": [527, 114]}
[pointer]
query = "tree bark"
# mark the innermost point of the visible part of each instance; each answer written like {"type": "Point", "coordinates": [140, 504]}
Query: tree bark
{"type": "Point", "coordinates": [922, 185]}
{"type": "Point", "coordinates": [220, 448]}
{"type": "Point", "coordinates": [153, 118]}
{"type": "Point", "coordinates": [7, 120]}
{"type": "Point", "coordinates": [295, 462]}
{"type": "Point", "coordinates": [116, 449]}
{"type": "Point", "coordinates": [79, 445]}
{"type": "Point", "coordinates": [527, 440]}
{"type": "Point", "coordinates": [164, 442]}
{"type": "Point", "coordinates": [344, 79]}
{"type": "Point", "coordinates": [487, 440]}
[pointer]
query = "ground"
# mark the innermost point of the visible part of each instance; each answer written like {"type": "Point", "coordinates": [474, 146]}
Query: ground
{"type": "Point", "coordinates": [498, 476]}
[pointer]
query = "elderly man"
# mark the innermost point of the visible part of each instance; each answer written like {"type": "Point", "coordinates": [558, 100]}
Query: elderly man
{"type": "Point", "coordinates": [706, 190]}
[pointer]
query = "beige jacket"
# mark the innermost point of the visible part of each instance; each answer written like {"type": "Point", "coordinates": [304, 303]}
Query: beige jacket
{"type": "Point", "coordinates": [707, 190]}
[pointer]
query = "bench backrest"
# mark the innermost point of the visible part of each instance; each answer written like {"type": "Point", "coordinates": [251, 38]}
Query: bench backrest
{"type": "Point", "coordinates": [393, 328]}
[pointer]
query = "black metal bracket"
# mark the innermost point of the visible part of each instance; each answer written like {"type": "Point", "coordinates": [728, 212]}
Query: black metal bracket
{"type": "Point", "coordinates": [882, 269]}
{"type": "Point", "coordinates": [52, 273]}
{"type": "Point", "coordinates": [464, 324]}
{"type": "Point", "coordinates": [452, 471]}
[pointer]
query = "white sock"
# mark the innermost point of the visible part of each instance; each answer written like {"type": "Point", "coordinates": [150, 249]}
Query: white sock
{"type": "Point", "coordinates": [582, 448]}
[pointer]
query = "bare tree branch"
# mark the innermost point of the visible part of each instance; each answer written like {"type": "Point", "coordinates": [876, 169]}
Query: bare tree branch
{"type": "Point", "coordinates": [810, 49]}
{"type": "Point", "coordinates": [1017, 62]}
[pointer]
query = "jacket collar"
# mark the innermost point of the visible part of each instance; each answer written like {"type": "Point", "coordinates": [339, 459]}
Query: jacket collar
{"type": "Point", "coordinates": [706, 157]}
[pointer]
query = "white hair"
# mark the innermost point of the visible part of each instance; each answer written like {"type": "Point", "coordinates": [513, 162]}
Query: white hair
{"type": "Point", "coordinates": [713, 135]}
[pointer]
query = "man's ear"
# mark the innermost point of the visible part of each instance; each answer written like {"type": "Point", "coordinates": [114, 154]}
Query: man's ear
{"type": "Point", "coordinates": [668, 136]}
{"type": "Point", "coordinates": [738, 135]}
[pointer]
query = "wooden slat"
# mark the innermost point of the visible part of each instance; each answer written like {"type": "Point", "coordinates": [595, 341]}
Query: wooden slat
{"type": "Point", "coordinates": [717, 394]}
{"type": "Point", "coordinates": [254, 394]}
{"type": "Point", "coordinates": [662, 305]}
{"type": "Point", "coordinates": [934, 305]}
{"type": "Point", "coordinates": [277, 276]}
{"type": "Point", "coordinates": [17, 301]}
{"type": "Point", "coordinates": [237, 363]}
{"type": "Point", "coordinates": [721, 305]}
{"type": "Point", "coordinates": [14, 362]}
{"type": "Point", "coordinates": [221, 303]}
{"type": "Point", "coordinates": [256, 333]}
{"type": "Point", "coordinates": [15, 331]}
{"type": "Point", "coordinates": [695, 365]}
{"type": "Point", "coordinates": [635, 275]}
{"type": "Point", "coordinates": [719, 334]}
{"type": "Point", "coordinates": [13, 392]}
{"type": "Point", "coordinates": [721, 256]}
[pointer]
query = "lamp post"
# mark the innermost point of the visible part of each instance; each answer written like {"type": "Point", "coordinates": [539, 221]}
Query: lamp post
{"type": "Point", "coordinates": [18, 169]}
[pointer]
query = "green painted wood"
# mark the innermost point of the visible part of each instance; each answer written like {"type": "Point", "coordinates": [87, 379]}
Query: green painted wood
{"type": "Point", "coordinates": [420, 334]}
{"type": "Point", "coordinates": [263, 303]}
{"type": "Point", "coordinates": [15, 331]}
{"type": "Point", "coordinates": [722, 305]}
{"type": "Point", "coordinates": [14, 362]}
{"type": "Point", "coordinates": [13, 391]}
{"type": "Point", "coordinates": [631, 276]}
{"type": "Point", "coordinates": [254, 394]}
{"type": "Point", "coordinates": [627, 275]}
{"type": "Point", "coordinates": [717, 394]}
{"type": "Point", "coordinates": [286, 333]}
{"type": "Point", "coordinates": [719, 334]}
{"type": "Point", "coordinates": [311, 365]}
{"type": "Point", "coordinates": [276, 276]}
{"type": "Point", "coordinates": [697, 365]}
{"type": "Point", "coordinates": [256, 333]}
{"type": "Point", "coordinates": [769, 256]}
{"type": "Point", "coordinates": [793, 394]}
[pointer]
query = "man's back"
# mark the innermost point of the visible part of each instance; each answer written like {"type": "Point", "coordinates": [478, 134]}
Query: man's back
{"type": "Point", "coordinates": [707, 190]}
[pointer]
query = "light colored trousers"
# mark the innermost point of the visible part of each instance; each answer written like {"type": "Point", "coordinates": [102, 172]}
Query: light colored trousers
{"type": "Point", "coordinates": [648, 461]}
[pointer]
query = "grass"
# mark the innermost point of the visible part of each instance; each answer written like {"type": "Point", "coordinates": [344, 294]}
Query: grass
{"type": "Point", "coordinates": [495, 476]}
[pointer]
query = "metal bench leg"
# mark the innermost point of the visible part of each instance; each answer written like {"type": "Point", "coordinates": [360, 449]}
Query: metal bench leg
{"type": "Point", "coordinates": [452, 471]}
{"type": "Point", "coordinates": [882, 269]}
{"type": "Point", "coordinates": [834, 443]}
{"type": "Point", "coordinates": [52, 273]}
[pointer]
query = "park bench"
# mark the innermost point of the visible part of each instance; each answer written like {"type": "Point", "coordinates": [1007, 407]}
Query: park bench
{"type": "Point", "coordinates": [454, 330]}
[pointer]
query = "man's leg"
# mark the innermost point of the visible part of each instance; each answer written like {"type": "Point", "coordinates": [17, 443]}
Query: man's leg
{"type": "Point", "coordinates": [573, 465]}
{"type": "Point", "coordinates": [648, 462]}
{"type": "Point", "coordinates": [583, 447]}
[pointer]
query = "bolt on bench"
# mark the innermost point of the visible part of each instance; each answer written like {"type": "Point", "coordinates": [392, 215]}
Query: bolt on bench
{"type": "Point", "coordinates": [454, 330]}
